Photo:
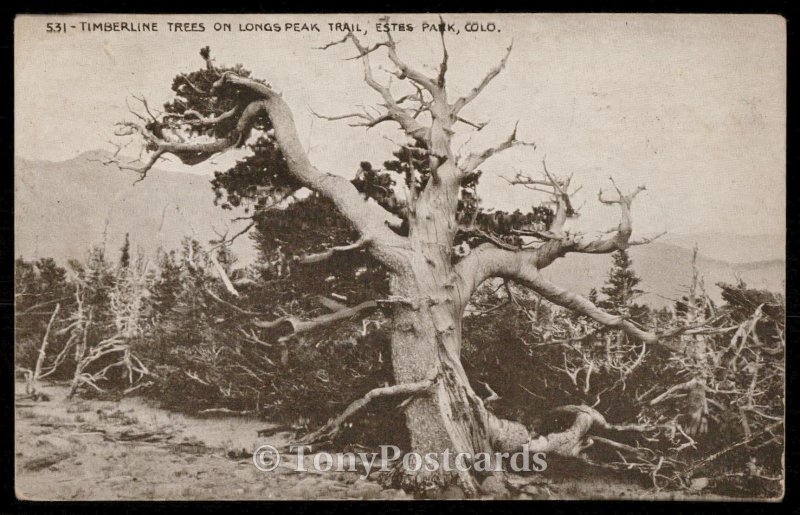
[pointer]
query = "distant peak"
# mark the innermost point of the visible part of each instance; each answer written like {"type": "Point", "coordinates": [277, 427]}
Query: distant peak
{"type": "Point", "coordinates": [90, 155]}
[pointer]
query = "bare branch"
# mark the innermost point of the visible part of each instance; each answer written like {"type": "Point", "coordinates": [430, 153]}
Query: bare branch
{"type": "Point", "coordinates": [230, 304]}
{"type": "Point", "coordinates": [496, 241]}
{"type": "Point", "coordinates": [143, 101]}
{"type": "Point", "coordinates": [563, 297]}
{"type": "Point", "coordinates": [331, 428]}
{"type": "Point", "coordinates": [440, 80]}
{"type": "Point", "coordinates": [645, 241]}
{"type": "Point", "coordinates": [476, 125]}
{"type": "Point", "coordinates": [523, 267]}
{"type": "Point", "coordinates": [494, 72]}
{"type": "Point", "coordinates": [622, 199]}
{"type": "Point", "coordinates": [563, 243]}
{"type": "Point", "coordinates": [492, 394]}
{"type": "Point", "coordinates": [37, 371]}
{"type": "Point", "coordinates": [187, 152]}
{"type": "Point", "coordinates": [473, 161]}
{"type": "Point", "coordinates": [691, 384]}
{"type": "Point", "coordinates": [135, 113]}
{"type": "Point", "coordinates": [334, 43]}
{"type": "Point", "coordinates": [400, 115]}
{"type": "Point", "coordinates": [564, 208]}
{"type": "Point", "coordinates": [619, 239]}
{"type": "Point", "coordinates": [192, 117]}
{"type": "Point", "coordinates": [191, 85]}
{"type": "Point", "coordinates": [369, 121]}
{"type": "Point", "coordinates": [226, 241]}
{"type": "Point", "coordinates": [406, 70]}
{"type": "Point", "coordinates": [322, 256]}
{"type": "Point", "coordinates": [298, 326]}
{"type": "Point", "coordinates": [141, 170]}
{"type": "Point", "coordinates": [222, 275]}
{"type": "Point", "coordinates": [363, 51]}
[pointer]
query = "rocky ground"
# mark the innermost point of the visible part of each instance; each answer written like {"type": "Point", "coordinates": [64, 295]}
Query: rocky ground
{"type": "Point", "coordinates": [103, 450]}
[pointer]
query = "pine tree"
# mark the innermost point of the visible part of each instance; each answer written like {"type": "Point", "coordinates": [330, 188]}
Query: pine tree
{"type": "Point", "coordinates": [620, 288]}
{"type": "Point", "coordinates": [97, 277]}
{"type": "Point", "coordinates": [125, 253]}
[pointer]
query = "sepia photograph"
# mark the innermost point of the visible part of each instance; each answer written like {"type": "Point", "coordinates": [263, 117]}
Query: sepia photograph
{"type": "Point", "coordinates": [400, 257]}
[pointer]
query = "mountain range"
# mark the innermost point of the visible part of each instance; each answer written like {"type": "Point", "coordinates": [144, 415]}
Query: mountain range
{"type": "Point", "coordinates": [62, 208]}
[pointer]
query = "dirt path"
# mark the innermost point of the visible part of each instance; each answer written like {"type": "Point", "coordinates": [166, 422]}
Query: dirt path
{"type": "Point", "coordinates": [80, 450]}
{"type": "Point", "coordinates": [101, 450]}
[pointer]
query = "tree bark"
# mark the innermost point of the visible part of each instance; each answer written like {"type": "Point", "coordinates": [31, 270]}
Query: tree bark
{"type": "Point", "coordinates": [452, 417]}
{"type": "Point", "coordinates": [426, 341]}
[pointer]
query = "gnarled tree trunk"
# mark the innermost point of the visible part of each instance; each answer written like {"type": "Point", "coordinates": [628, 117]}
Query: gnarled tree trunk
{"type": "Point", "coordinates": [426, 339]}
{"type": "Point", "coordinates": [429, 291]}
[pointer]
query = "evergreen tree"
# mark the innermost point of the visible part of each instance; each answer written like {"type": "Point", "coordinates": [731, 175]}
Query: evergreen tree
{"type": "Point", "coordinates": [620, 289]}
{"type": "Point", "coordinates": [125, 252]}
{"type": "Point", "coordinates": [38, 287]}
{"type": "Point", "coordinates": [97, 278]}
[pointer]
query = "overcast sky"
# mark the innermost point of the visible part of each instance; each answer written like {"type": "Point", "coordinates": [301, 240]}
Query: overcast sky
{"type": "Point", "coordinates": [693, 106]}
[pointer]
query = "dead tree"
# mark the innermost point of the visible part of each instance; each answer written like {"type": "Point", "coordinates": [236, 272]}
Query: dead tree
{"type": "Point", "coordinates": [430, 286]}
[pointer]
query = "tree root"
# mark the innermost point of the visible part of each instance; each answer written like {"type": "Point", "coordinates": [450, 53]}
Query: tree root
{"type": "Point", "coordinates": [505, 436]}
{"type": "Point", "coordinates": [508, 436]}
{"type": "Point", "coordinates": [332, 427]}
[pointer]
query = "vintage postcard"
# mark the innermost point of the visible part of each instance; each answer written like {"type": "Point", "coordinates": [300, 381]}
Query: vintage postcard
{"type": "Point", "coordinates": [417, 256]}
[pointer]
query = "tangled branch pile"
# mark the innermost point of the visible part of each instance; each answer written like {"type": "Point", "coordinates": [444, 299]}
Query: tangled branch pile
{"type": "Point", "coordinates": [706, 411]}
